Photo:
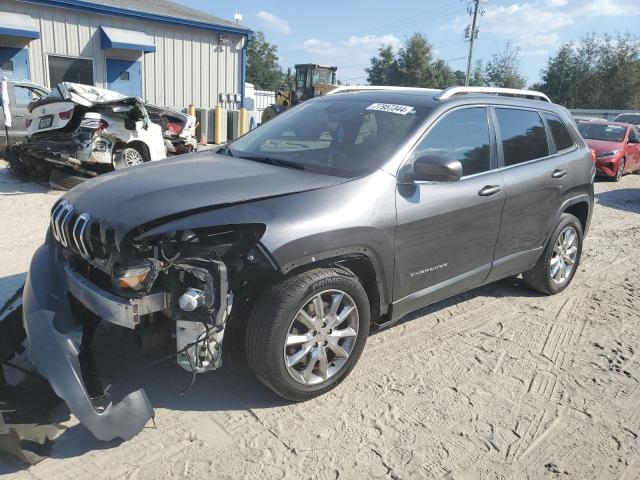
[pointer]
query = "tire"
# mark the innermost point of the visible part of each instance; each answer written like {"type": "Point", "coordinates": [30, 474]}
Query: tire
{"type": "Point", "coordinates": [130, 156]}
{"type": "Point", "coordinates": [620, 171]}
{"type": "Point", "coordinates": [61, 180]}
{"type": "Point", "coordinates": [276, 314]}
{"type": "Point", "coordinates": [540, 277]}
{"type": "Point", "coordinates": [17, 168]}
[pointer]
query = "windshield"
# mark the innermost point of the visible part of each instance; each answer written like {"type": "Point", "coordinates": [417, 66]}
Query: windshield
{"type": "Point", "coordinates": [602, 131]}
{"type": "Point", "coordinates": [628, 118]}
{"type": "Point", "coordinates": [342, 137]}
{"type": "Point", "coordinates": [322, 75]}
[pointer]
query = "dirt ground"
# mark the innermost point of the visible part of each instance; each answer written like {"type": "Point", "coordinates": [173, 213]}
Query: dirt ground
{"type": "Point", "coordinates": [496, 383]}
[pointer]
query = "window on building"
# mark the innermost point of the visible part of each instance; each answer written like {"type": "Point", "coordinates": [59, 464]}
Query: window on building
{"type": "Point", "coordinates": [124, 75]}
{"type": "Point", "coordinates": [523, 135]}
{"type": "Point", "coordinates": [65, 69]}
{"type": "Point", "coordinates": [561, 135]}
{"type": "Point", "coordinates": [462, 135]}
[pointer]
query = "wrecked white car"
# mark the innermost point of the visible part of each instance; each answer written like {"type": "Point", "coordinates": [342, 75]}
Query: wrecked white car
{"type": "Point", "coordinates": [89, 131]}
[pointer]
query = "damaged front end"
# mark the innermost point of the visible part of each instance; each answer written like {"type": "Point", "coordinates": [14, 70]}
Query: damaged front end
{"type": "Point", "coordinates": [178, 283]}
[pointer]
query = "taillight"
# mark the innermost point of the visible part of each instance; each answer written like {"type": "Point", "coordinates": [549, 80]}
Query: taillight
{"type": "Point", "coordinates": [27, 122]}
{"type": "Point", "coordinates": [593, 155]}
{"type": "Point", "coordinates": [65, 115]}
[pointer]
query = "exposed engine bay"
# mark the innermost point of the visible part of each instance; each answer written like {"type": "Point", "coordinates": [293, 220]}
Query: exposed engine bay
{"type": "Point", "coordinates": [173, 290]}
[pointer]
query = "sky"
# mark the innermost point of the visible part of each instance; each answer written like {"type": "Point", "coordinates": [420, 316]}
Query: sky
{"type": "Point", "coordinates": [348, 33]}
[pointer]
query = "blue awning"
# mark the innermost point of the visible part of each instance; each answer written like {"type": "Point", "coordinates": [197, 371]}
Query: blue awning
{"type": "Point", "coordinates": [111, 37]}
{"type": "Point", "coordinates": [18, 25]}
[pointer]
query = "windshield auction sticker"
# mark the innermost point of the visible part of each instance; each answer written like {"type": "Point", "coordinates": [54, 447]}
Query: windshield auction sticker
{"type": "Point", "coordinates": [391, 108]}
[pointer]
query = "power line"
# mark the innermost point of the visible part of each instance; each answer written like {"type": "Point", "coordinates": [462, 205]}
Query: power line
{"type": "Point", "coordinates": [403, 24]}
{"type": "Point", "coordinates": [400, 21]}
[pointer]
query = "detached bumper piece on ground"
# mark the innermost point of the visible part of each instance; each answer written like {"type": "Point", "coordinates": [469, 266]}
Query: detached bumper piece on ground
{"type": "Point", "coordinates": [54, 345]}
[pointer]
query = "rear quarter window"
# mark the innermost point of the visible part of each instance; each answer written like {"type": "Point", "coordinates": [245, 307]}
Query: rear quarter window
{"type": "Point", "coordinates": [559, 131]}
{"type": "Point", "coordinates": [523, 135]}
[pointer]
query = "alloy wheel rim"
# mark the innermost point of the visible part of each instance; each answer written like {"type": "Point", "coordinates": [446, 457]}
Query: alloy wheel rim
{"type": "Point", "coordinates": [620, 169]}
{"type": "Point", "coordinates": [321, 337]}
{"type": "Point", "coordinates": [132, 157]}
{"type": "Point", "coordinates": [565, 253]}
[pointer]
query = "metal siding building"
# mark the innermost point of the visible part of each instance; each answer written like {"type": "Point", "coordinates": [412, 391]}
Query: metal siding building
{"type": "Point", "coordinates": [190, 58]}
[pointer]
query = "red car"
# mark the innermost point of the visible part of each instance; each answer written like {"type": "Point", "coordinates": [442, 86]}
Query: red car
{"type": "Point", "coordinates": [617, 147]}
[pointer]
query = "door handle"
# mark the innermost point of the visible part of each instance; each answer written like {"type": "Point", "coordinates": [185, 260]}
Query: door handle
{"type": "Point", "coordinates": [489, 190]}
{"type": "Point", "coordinates": [559, 172]}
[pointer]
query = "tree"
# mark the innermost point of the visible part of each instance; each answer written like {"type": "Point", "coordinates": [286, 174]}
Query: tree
{"type": "Point", "coordinates": [384, 68]}
{"type": "Point", "coordinates": [414, 65]}
{"type": "Point", "coordinates": [478, 76]}
{"type": "Point", "coordinates": [415, 62]}
{"type": "Point", "coordinates": [503, 70]}
{"type": "Point", "coordinates": [263, 69]}
{"type": "Point", "coordinates": [595, 72]}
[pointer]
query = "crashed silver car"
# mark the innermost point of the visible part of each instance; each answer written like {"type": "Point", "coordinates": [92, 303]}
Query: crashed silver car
{"type": "Point", "coordinates": [90, 130]}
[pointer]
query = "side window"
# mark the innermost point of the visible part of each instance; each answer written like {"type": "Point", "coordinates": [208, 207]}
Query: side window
{"type": "Point", "coordinates": [464, 136]}
{"type": "Point", "coordinates": [523, 135]}
{"type": "Point", "coordinates": [561, 135]}
{"type": "Point", "coordinates": [633, 134]}
{"type": "Point", "coordinates": [24, 95]}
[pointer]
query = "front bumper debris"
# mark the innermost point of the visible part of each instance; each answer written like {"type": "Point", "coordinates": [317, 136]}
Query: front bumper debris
{"type": "Point", "coordinates": [53, 346]}
{"type": "Point", "coordinates": [109, 307]}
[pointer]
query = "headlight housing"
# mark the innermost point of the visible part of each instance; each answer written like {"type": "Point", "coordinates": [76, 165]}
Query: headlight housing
{"type": "Point", "coordinates": [132, 278]}
{"type": "Point", "coordinates": [608, 154]}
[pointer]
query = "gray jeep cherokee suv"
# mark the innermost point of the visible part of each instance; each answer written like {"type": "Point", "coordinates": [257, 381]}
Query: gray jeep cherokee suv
{"type": "Point", "coordinates": [341, 214]}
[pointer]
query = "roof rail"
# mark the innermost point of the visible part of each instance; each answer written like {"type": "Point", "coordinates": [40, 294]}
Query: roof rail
{"type": "Point", "coordinates": [514, 92]}
{"type": "Point", "coordinates": [358, 88]}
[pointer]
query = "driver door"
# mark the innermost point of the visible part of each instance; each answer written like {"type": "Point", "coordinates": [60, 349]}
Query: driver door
{"type": "Point", "coordinates": [447, 232]}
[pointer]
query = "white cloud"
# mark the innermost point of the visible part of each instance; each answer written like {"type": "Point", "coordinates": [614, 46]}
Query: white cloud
{"type": "Point", "coordinates": [273, 22]}
{"type": "Point", "coordinates": [611, 8]}
{"type": "Point", "coordinates": [350, 55]}
{"type": "Point", "coordinates": [537, 25]}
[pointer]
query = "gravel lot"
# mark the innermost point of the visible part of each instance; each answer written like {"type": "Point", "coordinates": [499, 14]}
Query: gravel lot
{"type": "Point", "coordinates": [496, 383]}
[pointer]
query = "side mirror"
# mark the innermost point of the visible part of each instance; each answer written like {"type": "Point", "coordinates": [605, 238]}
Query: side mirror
{"type": "Point", "coordinates": [434, 168]}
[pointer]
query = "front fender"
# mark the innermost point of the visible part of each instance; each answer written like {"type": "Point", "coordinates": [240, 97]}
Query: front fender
{"type": "Point", "coordinates": [355, 217]}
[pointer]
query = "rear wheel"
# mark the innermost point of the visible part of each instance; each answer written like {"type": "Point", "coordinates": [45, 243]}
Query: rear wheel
{"type": "Point", "coordinates": [130, 157]}
{"type": "Point", "coordinates": [559, 260]}
{"type": "Point", "coordinates": [305, 334]}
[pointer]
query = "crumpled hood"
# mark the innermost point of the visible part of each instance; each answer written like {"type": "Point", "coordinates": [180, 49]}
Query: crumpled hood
{"type": "Point", "coordinates": [132, 197]}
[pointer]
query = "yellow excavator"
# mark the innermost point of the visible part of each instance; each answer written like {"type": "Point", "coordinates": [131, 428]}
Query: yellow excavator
{"type": "Point", "coordinates": [311, 80]}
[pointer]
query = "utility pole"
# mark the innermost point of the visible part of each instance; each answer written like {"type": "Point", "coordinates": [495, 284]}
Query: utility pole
{"type": "Point", "coordinates": [472, 36]}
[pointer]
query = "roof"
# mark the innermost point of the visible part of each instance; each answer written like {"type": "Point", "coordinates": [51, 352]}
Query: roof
{"type": "Point", "coordinates": [606, 122]}
{"type": "Point", "coordinates": [431, 98]}
{"type": "Point", "coordinates": [330, 67]}
{"type": "Point", "coordinates": [158, 10]}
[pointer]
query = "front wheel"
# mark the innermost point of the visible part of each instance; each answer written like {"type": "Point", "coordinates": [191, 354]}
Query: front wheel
{"type": "Point", "coordinates": [306, 333]}
{"type": "Point", "coordinates": [620, 171]}
{"type": "Point", "coordinates": [559, 260]}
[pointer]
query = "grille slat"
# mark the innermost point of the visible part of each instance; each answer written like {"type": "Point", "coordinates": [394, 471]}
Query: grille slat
{"type": "Point", "coordinates": [72, 230]}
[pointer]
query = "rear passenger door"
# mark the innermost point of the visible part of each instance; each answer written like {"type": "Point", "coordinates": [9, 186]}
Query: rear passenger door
{"type": "Point", "coordinates": [536, 177]}
{"type": "Point", "coordinates": [446, 232]}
